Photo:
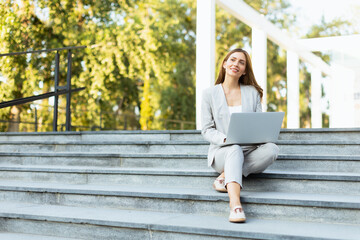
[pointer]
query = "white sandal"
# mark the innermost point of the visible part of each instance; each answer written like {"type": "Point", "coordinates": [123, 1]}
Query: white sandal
{"type": "Point", "coordinates": [237, 215]}
{"type": "Point", "coordinates": [219, 185]}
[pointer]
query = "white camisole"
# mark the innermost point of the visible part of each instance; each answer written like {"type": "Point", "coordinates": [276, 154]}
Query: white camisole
{"type": "Point", "coordinates": [235, 109]}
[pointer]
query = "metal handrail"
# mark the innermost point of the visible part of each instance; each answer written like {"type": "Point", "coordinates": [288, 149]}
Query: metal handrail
{"type": "Point", "coordinates": [36, 97]}
{"type": "Point", "coordinates": [59, 90]}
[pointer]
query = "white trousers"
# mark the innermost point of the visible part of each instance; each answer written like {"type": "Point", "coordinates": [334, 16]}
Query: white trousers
{"type": "Point", "coordinates": [236, 160]}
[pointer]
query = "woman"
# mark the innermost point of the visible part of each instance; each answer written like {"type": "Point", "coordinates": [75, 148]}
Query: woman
{"type": "Point", "coordinates": [235, 90]}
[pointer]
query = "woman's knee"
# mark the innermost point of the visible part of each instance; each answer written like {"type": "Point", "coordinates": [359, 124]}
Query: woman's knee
{"type": "Point", "coordinates": [275, 149]}
{"type": "Point", "coordinates": [234, 158]}
{"type": "Point", "coordinates": [235, 151]}
{"type": "Point", "coordinates": [261, 159]}
{"type": "Point", "coordinates": [272, 151]}
{"type": "Point", "coordinates": [235, 148]}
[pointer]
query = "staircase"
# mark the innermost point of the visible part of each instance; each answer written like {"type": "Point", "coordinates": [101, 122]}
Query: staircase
{"type": "Point", "coordinates": [156, 185]}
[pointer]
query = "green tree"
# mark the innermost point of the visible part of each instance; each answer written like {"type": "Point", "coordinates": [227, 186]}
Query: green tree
{"type": "Point", "coordinates": [21, 30]}
{"type": "Point", "coordinates": [140, 59]}
{"type": "Point", "coordinates": [141, 51]}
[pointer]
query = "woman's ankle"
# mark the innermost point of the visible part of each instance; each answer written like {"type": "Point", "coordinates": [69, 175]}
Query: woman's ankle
{"type": "Point", "coordinates": [234, 204]}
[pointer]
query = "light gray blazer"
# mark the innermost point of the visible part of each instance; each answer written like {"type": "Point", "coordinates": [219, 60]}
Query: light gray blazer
{"type": "Point", "coordinates": [215, 115]}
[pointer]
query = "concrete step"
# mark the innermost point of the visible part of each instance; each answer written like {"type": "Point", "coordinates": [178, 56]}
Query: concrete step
{"type": "Point", "coordinates": [154, 135]}
{"type": "Point", "coordinates": [179, 147]}
{"type": "Point", "coordinates": [121, 176]}
{"type": "Point", "coordinates": [304, 182]}
{"type": "Point", "coordinates": [177, 135]}
{"type": "Point", "coordinates": [183, 147]}
{"type": "Point", "coordinates": [319, 147]}
{"type": "Point", "coordinates": [270, 180]}
{"type": "Point", "coordinates": [22, 236]}
{"type": "Point", "coordinates": [100, 223]}
{"type": "Point", "coordinates": [310, 163]}
{"type": "Point", "coordinates": [330, 208]}
{"type": "Point", "coordinates": [334, 134]}
{"type": "Point", "coordinates": [315, 179]}
{"type": "Point", "coordinates": [317, 163]}
{"type": "Point", "coordinates": [196, 161]}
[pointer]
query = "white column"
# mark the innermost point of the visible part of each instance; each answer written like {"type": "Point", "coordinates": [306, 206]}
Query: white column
{"type": "Point", "coordinates": [293, 101]}
{"type": "Point", "coordinates": [316, 113]}
{"type": "Point", "coordinates": [259, 58]}
{"type": "Point", "coordinates": [342, 97]}
{"type": "Point", "coordinates": [205, 51]}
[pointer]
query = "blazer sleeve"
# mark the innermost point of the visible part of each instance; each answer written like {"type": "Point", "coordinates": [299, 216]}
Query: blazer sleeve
{"type": "Point", "coordinates": [209, 131]}
{"type": "Point", "coordinates": [258, 103]}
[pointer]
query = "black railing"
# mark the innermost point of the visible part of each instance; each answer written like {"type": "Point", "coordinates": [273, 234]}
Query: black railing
{"type": "Point", "coordinates": [58, 90]}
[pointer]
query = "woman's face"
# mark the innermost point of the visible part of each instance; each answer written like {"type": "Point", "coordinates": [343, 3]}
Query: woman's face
{"type": "Point", "coordinates": [235, 65]}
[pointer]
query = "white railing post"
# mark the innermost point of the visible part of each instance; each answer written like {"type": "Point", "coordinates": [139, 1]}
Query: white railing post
{"type": "Point", "coordinates": [293, 100]}
{"type": "Point", "coordinates": [205, 51]}
{"type": "Point", "coordinates": [259, 58]}
{"type": "Point", "coordinates": [342, 97]}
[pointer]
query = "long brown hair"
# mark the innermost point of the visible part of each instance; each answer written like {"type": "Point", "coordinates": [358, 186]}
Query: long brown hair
{"type": "Point", "coordinates": [247, 79]}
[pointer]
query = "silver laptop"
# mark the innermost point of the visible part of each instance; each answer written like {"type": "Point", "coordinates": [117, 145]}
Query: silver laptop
{"type": "Point", "coordinates": [254, 128]}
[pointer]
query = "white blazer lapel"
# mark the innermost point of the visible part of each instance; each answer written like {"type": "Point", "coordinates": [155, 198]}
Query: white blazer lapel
{"type": "Point", "coordinates": [222, 107]}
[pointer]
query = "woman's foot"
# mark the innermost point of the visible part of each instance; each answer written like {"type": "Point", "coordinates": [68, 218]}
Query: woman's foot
{"type": "Point", "coordinates": [219, 184]}
{"type": "Point", "coordinates": [237, 215]}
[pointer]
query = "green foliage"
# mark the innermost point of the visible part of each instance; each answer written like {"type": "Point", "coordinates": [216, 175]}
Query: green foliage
{"type": "Point", "coordinates": [305, 95]}
{"type": "Point", "coordinates": [230, 33]}
{"type": "Point", "coordinates": [143, 57]}
{"type": "Point", "coordinates": [336, 27]}
{"type": "Point", "coordinates": [20, 29]}
{"type": "Point", "coordinates": [139, 66]}
{"type": "Point", "coordinates": [276, 79]}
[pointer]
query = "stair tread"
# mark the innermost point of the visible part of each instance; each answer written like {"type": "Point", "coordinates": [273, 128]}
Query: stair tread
{"type": "Point", "coordinates": [24, 236]}
{"type": "Point", "coordinates": [175, 171]}
{"type": "Point", "coordinates": [172, 142]}
{"type": "Point", "coordinates": [103, 154]}
{"type": "Point", "coordinates": [282, 130]}
{"type": "Point", "coordinates": [116, 142]}
{"type": "Point", "coordinates": [168, 148]}
{"type": "Point", "coordinates": [174, 155]}
{"type": "Point", "coordinates": [177, 222]}
{"type": "Point", "coordinates": [312, 174]}
{"type": "Point", "coordinates": [288, 198]}
{"type": "Point", "coordinates": [95, 169]}
{"type": "Point", "coordinates": [77, 133]}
